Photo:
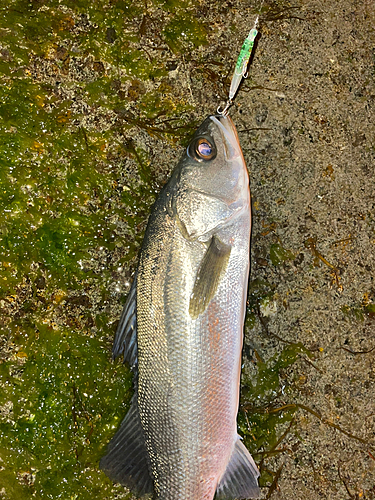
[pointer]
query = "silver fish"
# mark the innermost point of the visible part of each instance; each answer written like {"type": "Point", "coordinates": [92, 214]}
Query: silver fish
{"type": "Point", "coordinates": [182, 328]}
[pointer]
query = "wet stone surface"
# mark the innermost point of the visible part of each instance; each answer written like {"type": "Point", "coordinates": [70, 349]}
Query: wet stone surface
{"type": "Point", "coordinates": [98, 101]}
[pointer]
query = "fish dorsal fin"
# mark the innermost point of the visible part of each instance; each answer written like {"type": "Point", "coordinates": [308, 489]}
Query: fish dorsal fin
{"type": "Point", "coordinates": [126, 334]}
{"type": "Point", "coordinates": [212, 267]}
{"type": "Point", "coordinates": [240, 479]}
{"type": "Point", "coordinates": [127, 461]}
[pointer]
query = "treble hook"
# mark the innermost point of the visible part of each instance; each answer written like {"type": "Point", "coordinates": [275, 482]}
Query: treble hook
{"type": "Point", "coordinates": [224, 112]}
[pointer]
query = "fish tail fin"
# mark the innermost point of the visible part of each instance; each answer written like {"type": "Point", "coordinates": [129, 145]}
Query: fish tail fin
{"type": "Point", "coordinates": [240, 479]}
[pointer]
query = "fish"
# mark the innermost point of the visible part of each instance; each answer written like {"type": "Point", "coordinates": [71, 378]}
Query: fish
{"type": "Point", "coordinates": [181, 331]}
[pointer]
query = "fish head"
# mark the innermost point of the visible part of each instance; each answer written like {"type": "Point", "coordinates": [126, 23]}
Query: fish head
{"type": "Point", "coordinates": [213, 182]}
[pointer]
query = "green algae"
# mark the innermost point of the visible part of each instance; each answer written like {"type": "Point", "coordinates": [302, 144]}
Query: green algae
{"type": "Point", "coordinates": [48, 160]}
{"type": "Point", "coordinates": [184, 30]}
{"type": "Point", "coordinates": [279, 254]}
{"type": "Point", "coordinates": [66, 399]}
{"type": "Point", "coordinates": [73, 81]}
{"type": "Point", "coordinates": [263, 415]}
{"type": "Point", "coordinates": [259, 291]}
{"type": "Point", "coordinates": [264, 419]}
{"type": "Point", "coordinates": [268, 379]}
{"type": "Point", "coordinates": [359, 312]}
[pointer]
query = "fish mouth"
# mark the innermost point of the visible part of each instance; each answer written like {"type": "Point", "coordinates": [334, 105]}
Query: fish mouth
{"type": "Point", "coordinates": [229, 134]}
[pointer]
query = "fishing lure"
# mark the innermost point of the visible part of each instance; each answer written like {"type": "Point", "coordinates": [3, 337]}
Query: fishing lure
{"type": "Point", "coordinates": [240, 70]}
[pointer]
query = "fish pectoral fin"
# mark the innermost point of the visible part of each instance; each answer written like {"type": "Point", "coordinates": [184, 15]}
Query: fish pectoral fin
{"type": "Point", "coordinates": [240, 479]}
{"type": "Point", "coordinates": [212, 267]}
{"type": "Point", "coordinates": [127, 461]}
{"type": "Point", "coordinates": [125, 341]}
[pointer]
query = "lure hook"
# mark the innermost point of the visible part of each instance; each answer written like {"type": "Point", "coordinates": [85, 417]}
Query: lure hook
{"type": "Point", "coordinates": [224, 112]}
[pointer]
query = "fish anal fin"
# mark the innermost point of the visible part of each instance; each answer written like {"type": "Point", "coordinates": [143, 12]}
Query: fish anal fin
{"type": "Point", "coordinates": [212, 267]}
{"type": "Point", "coordinates": [240, 479]}
{"type": "Point", "coordinates": [127, 460]}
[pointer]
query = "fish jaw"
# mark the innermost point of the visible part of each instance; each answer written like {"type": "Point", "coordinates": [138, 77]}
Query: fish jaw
{"type": "Point", "coordinates": [234, 156]}
{"type": "Point", "coordinates": [231, 142]}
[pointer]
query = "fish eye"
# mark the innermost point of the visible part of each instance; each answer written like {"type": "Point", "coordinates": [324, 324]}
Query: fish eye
{"type": "Point", "coordinates": [202, 149]}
